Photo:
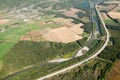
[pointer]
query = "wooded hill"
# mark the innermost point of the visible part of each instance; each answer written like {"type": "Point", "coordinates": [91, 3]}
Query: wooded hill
{"type": "Point", "coordinates": [26, 53]}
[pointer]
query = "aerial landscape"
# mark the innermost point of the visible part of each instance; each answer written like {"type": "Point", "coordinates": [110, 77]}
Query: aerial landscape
{"type": "Point", "coordinates": [59, 39]}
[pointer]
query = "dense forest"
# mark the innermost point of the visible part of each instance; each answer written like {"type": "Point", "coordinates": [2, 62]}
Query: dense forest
{"type": "Point", "coordinates": [27, 53]}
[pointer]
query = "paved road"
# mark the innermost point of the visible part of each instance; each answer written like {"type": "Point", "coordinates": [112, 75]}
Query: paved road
{"type": "Point", "coordinates": [91, 57]}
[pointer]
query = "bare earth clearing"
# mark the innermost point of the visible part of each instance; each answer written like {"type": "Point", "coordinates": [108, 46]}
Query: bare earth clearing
{"type": "Point", "coordinates": [33, 36]}
{"type": "Point", "coordinates": [4, 21]}
{"type": "Point", "coordinates": [63, 21]}
{"type": "Point", "coordinates": [115, 15]}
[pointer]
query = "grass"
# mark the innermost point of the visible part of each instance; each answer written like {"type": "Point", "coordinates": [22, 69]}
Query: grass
{"type": "Point", "coordinates": [85, 34]}
{"type": "Point", "coordinates": [5, 47]}
{"type": "Point", "coordinates": [47, 18]}
{"type": "Point", "coordinates": [0, 65]}
{"type": "Point", "coordinates": [69, 55]}
{"type": "Point", "coordinates": [108, 21]}
{"type": "Point", "coordinates": [11, 36]}
{"type": "Point", "coordinates": [111, 22]}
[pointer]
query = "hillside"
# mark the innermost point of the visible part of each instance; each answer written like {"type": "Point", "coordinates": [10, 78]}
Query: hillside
{"type": "Point", "coordinates": [22, 3]}
{"type": "Point", "coordinates": [16, 3]}
{"type": "Point", "coordinates": [19, 17]}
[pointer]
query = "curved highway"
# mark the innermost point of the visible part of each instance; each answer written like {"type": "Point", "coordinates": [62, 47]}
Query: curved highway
{"type": "Point", "coordinates": [89, 58]}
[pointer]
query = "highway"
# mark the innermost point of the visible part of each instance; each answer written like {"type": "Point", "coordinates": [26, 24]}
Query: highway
{"type": "Point", "coordinates": [89, 58]}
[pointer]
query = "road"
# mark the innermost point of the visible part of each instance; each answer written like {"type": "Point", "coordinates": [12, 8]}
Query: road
{"type": "Point", "coordinates": [89, 58]}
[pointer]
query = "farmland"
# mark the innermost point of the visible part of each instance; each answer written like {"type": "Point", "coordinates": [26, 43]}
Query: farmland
{"type": "Point", "coordinates": [66, 36]}
{"type": "Point", "coordinates": [12, 34]}
{"type": "Point", "coordinates": [3, 21]}
{"type": "Point", "coordinates": [16, 26]}
{"type": "Point", "coordinates": [37, 32]}
{"type": "Point", "coordinates": [52, 31]}
{"type": "Point", "coordinates": [114, 15]}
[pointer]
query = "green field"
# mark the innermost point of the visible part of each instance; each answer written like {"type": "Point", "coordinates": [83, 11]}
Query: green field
{"type": "Point", "coordinates": [108, 21]}
{"type": "Point", "coordinates": [11, 36]}
{"type": "Point", "coordinates": [0, 65]}
{"type": "Point", "coordinates": [5, 47]}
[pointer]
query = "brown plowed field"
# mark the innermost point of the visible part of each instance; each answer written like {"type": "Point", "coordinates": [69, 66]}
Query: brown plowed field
{"type": "Point", "coordinates": [3, 21]}
{"type": "Point", "coordinates": [115, 15]}
{"type": "Point", "coordinates": [63, 34]}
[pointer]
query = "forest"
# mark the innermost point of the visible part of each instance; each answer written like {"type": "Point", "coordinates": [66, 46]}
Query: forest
{"type": "Point", "coordinates": [26, 53]}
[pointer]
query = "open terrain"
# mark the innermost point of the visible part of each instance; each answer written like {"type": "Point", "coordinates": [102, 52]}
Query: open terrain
{"type": "Point", "coordinates": [106, 67]}
{"type": "Point", "coordinates": [62, 34]}
{"type": "Point", "coordinates": [24, 26]}
{"type": "Point", "coordinates": [59, 40]}
{"type": "Point", "coordinates": [114, 15]}
{"type": "Point", "coordinates": [3, 21]}
{"type": "Point", "coordinates": [57, 30]}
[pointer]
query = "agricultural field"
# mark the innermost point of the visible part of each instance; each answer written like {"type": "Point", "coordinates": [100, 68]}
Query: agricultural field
{"type": "Point", "coordinates": [114, 15]}
{"type": "Point", "coordinates": [11, 36]}
{"type": "Point", "coordinates": [52, 31]}
{"type": "Point", "coordinates": [28, 30]}
{"type": "Point", "coordinates": [3, 21]}
{"type": "Point", "coordinates": [107, 7]}
{"type": "Point", "coordinates": [66, 36]}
